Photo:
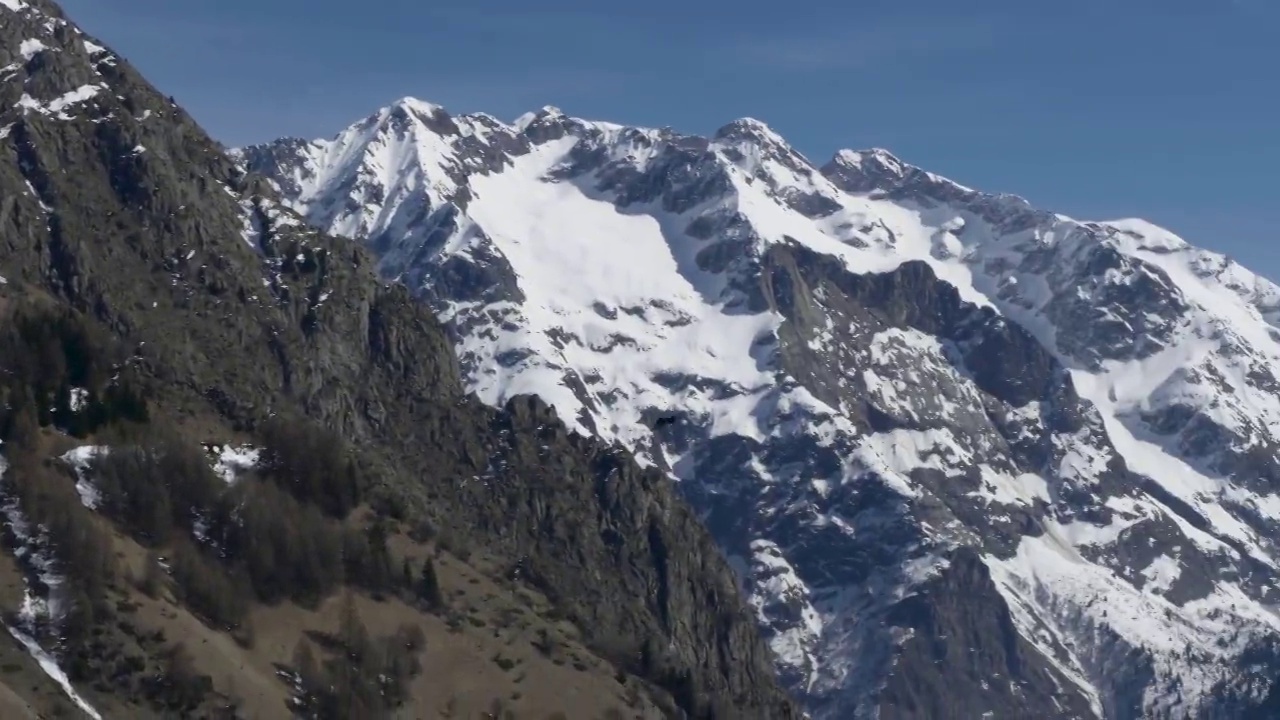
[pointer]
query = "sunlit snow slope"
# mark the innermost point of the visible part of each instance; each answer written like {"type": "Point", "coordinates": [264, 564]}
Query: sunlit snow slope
{"type": "Point", "coordinates": [968, 456]}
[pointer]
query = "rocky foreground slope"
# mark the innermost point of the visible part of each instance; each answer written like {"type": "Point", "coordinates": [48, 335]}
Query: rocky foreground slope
{"type": "Point", "coordinates": [969, 458]}
{"type": "Point", "coordinates": [121, 217]}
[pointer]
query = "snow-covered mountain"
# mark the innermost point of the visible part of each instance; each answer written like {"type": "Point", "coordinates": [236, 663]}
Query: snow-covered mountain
{"type": "Point", "coordinates": [971, 458]}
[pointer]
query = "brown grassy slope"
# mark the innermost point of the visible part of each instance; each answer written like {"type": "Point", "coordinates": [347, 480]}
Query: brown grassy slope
{"type": "Point", "coordinates": [494, 645]}
{"type": "Point", "coordinates": [482, 652]}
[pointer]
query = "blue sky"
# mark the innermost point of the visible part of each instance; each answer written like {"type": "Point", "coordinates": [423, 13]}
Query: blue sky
{"type": "Point", "coordinates": [1164, 109]}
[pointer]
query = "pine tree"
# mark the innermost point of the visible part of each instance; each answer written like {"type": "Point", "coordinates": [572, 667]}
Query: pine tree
{"type": "Point", "coordinates": [352, 632]}
{"type": "Point", "coordinates": [153, 577]}
{"type": "Point", "coordinates": [23, 426]}
{"type": "Point", "coordinates": [429, 586]}
{"type": "Point", "coordinates": [304, 663]}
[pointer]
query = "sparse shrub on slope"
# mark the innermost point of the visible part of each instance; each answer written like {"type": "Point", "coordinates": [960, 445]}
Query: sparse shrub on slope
{"type": "Point", "coordinates": [216, 592]}
{"type": "Point", "coordinates": [361, 677]}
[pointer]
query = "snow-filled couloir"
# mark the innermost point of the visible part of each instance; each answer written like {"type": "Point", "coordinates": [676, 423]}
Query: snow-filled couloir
{"type": "Point", "coordinates": [965, 454]}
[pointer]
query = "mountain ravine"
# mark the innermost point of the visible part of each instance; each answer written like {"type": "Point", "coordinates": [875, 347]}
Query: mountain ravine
{"type": "Point", "coordinates": [240, 475]}
{"type": "Point", "coordinates": [969, 459]}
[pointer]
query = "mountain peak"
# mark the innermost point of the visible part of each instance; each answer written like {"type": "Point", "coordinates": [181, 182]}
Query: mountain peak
{"type": "Point", "coordinates": [413, 104]}
{"type": "Point", "coordinates": [547, 111]}
{"type": "Point", "coordinates": [749, 128]}
{"type": "Point", "coordinates": [862, 171]}
{"type": "Point", "coordinates": [408, 112]}
{"type": "Point", "coordinates": [875, 157]}
{"type": "Point", "coordinates": [430, 114]}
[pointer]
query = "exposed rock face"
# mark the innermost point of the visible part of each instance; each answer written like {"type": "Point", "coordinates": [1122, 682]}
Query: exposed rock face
{"type": "Point", "coordinates": [114, 202]}
{"type": "Point", "coordinates": [965, 454]}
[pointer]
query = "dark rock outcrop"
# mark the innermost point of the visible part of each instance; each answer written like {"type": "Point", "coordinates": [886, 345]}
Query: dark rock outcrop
{"type": "Point", "coordinates": [115, 203]}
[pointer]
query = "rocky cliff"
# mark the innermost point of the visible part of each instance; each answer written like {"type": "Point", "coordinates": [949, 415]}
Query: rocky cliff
{"type": "Point", "coordinates": [116, 205]}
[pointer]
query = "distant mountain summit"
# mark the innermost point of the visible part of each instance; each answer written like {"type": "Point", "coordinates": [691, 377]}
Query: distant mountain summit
{"type": "Point", "coordinates": [970, 458]}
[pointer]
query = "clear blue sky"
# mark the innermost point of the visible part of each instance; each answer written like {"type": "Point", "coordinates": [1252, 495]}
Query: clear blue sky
{"type": "Point", "coordinates": [1164, 109]}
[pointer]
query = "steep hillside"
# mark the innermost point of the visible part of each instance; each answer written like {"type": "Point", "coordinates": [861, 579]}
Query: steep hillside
{"type": "Point", "coordinates": [155, 296]}
{"type": "Point", "coordinates": [970, 458]}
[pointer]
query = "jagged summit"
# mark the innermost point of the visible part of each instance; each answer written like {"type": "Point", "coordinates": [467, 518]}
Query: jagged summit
{"type": "Point", "coordinates": [897, 401]}
{"type": "Point", "coordinates": [877, 156]}
{"type": "Point", "coordinates": [415, 105]}
{"type": "Point", "coordinates": [748, 127]}
{"type": "Point", "coordinates": [547, 111]}
{"type": "Point", "coordinates": [407, 115]}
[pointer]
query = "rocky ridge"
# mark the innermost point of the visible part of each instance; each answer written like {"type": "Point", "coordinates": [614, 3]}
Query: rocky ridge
{"type": "Point", "coordinates": [116, 207]}
{"type": "Point", "coordinates": [966, 455]}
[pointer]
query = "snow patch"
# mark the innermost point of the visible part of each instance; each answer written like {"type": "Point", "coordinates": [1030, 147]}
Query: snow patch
{"type": "Point", "coordinates": [49, 664]}
{"type": "Point", "coordinates": [59, 105]}
{"type": "Point", "coordinates": [81, 459]}
{"type": "Point", "coordinates": [232, 461]}
{"type": "Point", "coordinates": [1162, 573]}
{"type": "Point", "coordinates": [79, 399]}
{"type": "Point", "coordinates": [1057, 594]}
{"type": "Point", "coordinates": [30, 48]}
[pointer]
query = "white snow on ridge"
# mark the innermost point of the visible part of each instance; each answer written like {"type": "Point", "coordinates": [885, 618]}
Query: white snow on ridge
{"type": "Point", "coordinates": [796, 647]}
{"type": "Point", "coordinates": [58, 106]}
{"type": "Point", "coordinates": [620, 321]}
{"type": "Point", "coordinates": [870, 235]}
{"type": "Point", "coordinates": [1048, 581]}
{"type": "Point", "coordinates": [619, 285]}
